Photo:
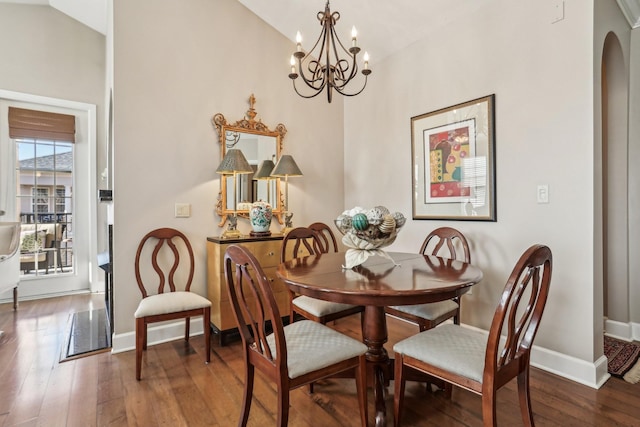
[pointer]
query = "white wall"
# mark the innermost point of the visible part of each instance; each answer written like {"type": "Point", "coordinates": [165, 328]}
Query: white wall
{"type": "Point", "coordinates": [542, 76]}
{"type": "Point", "coordinates": [176, 64]}
{"type": "Point", "coordinates": [46, 53]}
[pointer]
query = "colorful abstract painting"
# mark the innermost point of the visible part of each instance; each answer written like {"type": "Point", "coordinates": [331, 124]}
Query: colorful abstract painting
{"type": "Point", "coordinates": [448, 147]}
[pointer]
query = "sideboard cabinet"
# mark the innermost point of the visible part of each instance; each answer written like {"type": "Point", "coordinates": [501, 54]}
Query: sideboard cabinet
{"type": "Point", "coordinates": [267, 252]}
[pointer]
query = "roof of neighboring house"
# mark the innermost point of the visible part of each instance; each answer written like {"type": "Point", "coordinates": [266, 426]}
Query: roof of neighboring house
{"type": "Point", "coordinates": [63, 162]}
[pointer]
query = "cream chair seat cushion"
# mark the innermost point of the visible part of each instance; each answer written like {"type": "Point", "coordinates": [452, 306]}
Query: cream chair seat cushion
{"type": "Point", "coordinates": [451, 347]}
{"type": "Point", "coordinates": [429, 311]}
{"type": "Point", "coordinates": [170, 302]}
{"type": "Point", "coordinates": [312, 346]}
{"type": "Point", "coordinates": [319, 307]}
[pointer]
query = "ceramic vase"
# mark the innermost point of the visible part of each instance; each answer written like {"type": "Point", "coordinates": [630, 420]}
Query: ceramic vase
{"type": "Point", "coordinates": [260, 216]}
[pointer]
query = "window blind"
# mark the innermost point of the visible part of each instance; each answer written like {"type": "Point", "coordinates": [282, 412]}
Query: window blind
{"type": "Point", "coordinates": [25, 123]}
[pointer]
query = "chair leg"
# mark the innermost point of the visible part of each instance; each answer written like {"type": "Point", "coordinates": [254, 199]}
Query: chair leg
{"type": "Point", "coordinates": [361, 387]}
{"type": "Point", "coordinates": [456, 318]}
{"type": "Point", "coordinates": [489, 407]}
{"type": "Point", "coordinates": [140, 344]}
{"type": "Point", "coordinates": [283, 404]}
{"type": "Point", "coordinates": [187, 325]}
{"type": "Point", "coordinates": [144, 334]}
{"type": "Point", "coordinates": [448, 389]}
{"type": "Point", "coordinates": [398, 389]}
{"type": "Point", "coordinates": [206, 316]}
{"type": "Point", "coordinates": [525, 397]}
{"type": "Point", "coordinates": [248, 393]}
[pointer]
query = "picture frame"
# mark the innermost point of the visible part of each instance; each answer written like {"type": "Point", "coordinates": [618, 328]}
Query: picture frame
{"type": "Point", "coordinates": [453, 162]}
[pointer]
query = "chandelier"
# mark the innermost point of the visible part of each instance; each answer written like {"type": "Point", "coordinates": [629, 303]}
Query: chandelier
{"type": "Point", "coordinates": [336, 75]}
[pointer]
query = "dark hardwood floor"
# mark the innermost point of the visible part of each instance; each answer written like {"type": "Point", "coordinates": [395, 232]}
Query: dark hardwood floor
{"type": "Point", "coordinates": [178, 389]}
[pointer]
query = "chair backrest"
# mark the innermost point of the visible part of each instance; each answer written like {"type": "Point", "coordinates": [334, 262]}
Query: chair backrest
{"type": "Point", "coordinates": [326, 236]}
{"type": "Point", "coordinates": [517, 317]}
{"type": "Point", "coordinates": [254, 306]}
{"type": "Point", "coordinates": [449, 238]}
{"type": "Point", "coordinates": [299, 238]}
{"type": "Point", "coordinates": [159, 260]}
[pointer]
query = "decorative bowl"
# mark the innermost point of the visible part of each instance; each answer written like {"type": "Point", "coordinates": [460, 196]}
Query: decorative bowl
{"type": "Point", "coordinates": [366, 231]}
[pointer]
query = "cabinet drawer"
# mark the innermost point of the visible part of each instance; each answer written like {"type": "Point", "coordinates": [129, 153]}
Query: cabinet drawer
{"type": "Point", "coordinates": [267, 253]}
{"type": "Point", "coordinates": [277, 285]}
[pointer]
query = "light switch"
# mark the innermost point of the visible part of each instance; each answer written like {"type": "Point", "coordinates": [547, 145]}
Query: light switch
{"type": "Point", "coordinates": [557, 11]}
{"type": "Point", "coordinates": [183, 210]}
{"type": "Point", "coordinates": [543, 193]}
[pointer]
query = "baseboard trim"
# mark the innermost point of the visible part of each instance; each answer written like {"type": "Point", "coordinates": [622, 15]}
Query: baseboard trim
{"type": "Point", "coordinates": [591, 374]}
{"type": "Point", "coordinates": [156, 334]}
{"type": "Point", "coordinates": [625, 331]}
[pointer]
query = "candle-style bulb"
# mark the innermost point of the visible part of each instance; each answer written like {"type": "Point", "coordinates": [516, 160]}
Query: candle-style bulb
{"type": "Point", "coordinates": [299, 41]}
{"type": "Point", "coordinates": [354, 35]}
{"type": "Point", "coordinates": [365, 57]}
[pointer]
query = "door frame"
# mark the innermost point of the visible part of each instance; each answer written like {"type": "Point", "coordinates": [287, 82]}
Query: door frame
{"type": "Point", "coordinates": [85, 194]}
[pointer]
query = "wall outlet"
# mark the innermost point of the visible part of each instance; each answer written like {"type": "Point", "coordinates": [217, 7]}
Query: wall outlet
{"type": "Point", "coordinates": [183, 210]}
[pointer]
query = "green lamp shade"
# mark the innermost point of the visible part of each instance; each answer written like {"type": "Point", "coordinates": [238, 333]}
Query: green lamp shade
{"type": "Point", "coordinates": [234, 162]}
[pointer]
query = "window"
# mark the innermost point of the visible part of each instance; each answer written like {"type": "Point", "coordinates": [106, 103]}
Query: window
{"type": "Point", "coordinates": [44, 172]}
{"type": "Point", "coordinates": [61, 204]}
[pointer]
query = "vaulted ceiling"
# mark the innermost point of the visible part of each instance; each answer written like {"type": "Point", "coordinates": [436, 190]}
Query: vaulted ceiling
{"type": "Point", "coordinates": [384, 27]}
{"type": "Point", "coordinates": [92, 13]}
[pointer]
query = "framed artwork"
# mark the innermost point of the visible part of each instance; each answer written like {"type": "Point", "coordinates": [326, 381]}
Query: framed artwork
{"type": "Point", "coordinates": [453, 162]}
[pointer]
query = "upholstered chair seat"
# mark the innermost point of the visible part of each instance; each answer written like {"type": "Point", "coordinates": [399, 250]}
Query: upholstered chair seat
{"type": "Point", "coordinates": [312, 346]}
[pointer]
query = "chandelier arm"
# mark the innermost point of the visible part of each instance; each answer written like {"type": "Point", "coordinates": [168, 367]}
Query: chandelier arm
{"type": "Point", "coordinates": [318, 92]}
{"type": "Point", "coordinates": [352, 94]}
{"type": "Point", "coordinates": [313, 66]}
{"type": "Point", "coordinates": [316, 81]}
{"type": "Point", "coordinates": [354, 65]}
{"type": "Point", "coordinates": [328, 24]}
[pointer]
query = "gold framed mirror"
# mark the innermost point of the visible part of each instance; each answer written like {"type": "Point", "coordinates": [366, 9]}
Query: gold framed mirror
{"type": "Point", "coordinates": [258, 143]}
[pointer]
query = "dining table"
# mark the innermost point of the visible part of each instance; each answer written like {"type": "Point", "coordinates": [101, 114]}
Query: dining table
{"type": "Point", "coordinates": [400, 279]}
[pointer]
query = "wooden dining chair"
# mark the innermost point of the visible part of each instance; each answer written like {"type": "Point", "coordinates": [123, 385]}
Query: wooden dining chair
{"type": "Point", "coordinates": [303, 241]}
{"type": "Point", "coordinates": [442, 242]}
{"type": "Point", "coordinates": [177, 302]}
{"type": "Point", "coordinates": [293, 355]}
{"type": "Point", "coordinates": [326, 235]}
{"type": "Point", "coordinates": [479, 363]}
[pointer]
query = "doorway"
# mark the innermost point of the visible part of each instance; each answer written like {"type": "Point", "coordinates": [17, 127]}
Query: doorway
{"type": "Point", "coordinates": [615, 175]}
{"type": "Point", "coordinates": [28, 191]}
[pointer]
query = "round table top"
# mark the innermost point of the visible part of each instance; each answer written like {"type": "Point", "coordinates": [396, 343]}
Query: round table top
{"type": "Point", "coordinates": [378, 281]}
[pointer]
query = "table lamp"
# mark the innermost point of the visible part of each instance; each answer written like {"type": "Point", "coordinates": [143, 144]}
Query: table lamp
{"type": "Point", "coordinates": [264, 173]}
{"type": "Point", "coordinates": [233, 163]}
{"type": "Point", "coordinates": [285, 168]}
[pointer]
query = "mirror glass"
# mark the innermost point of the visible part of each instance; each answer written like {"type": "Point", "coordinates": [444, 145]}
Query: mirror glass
{"type": "Point", "coordinates": [257, 143]}
{"type": "Point", "coordinates": [256, 149]}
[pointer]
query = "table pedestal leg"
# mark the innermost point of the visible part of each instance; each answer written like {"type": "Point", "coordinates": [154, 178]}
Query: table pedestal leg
{"type": "Point", "coordinates": [374, 334]}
